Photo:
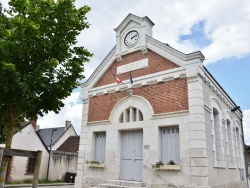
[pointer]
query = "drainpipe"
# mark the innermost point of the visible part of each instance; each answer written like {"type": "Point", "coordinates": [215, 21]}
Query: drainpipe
{"type": "Point", "coordinates": [50, 153]}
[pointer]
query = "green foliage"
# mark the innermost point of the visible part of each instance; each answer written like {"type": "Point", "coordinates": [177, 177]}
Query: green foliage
{"type": "Point", "coordinates": [158, 164]}
{"type": "Point", "coordinates": [171, 162]}
{"type": "Point", "coordinates": [92, 162]}
{"type": "Point", "coordinates": [2, 134]}
{"type": "Point", "coordinates": [29, 181]}
{"type": "Point", "coordinates": [40, 62]}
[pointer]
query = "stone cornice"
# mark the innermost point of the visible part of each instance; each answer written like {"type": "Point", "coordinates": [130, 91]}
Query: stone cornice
{"type": "Point", "coordinates": [172, 54]}
{"type": "Point", "coordinates": [162, 76]}
{"type": "Point", "coordinates": [171, 114]}
{"type": "Point", "coordinates": [108, 60]}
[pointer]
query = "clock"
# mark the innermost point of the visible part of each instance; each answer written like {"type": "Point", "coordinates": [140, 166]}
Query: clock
{"type": "Point", "coordinates": [131, 38]}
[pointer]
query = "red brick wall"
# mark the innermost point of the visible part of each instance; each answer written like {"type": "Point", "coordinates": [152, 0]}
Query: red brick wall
{"type": "Point", "coordinates": [164, 97]}
{"type": "Point", "coordinates": [156, 63]}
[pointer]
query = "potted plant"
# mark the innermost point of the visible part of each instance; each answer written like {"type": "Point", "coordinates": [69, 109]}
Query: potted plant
{"type": "Point", "coordinates": [170, 165]}
{"type": "Point", "coordinates": [95, 164]}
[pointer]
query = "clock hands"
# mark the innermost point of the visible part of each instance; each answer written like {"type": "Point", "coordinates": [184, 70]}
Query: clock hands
{"type": "Point", "coordinates": [131, 38]}
{"type": "Point", "coordinates": [134, 36]}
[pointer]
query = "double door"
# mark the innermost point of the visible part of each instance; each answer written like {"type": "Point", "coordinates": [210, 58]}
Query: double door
{"type": "Point", "coordinates": [131, 155]}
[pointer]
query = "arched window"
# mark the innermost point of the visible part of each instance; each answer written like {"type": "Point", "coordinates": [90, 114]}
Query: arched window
{"type": "Point", "coordinates": [230, 142]}
{"type": "Point", "coordinates": [239, 144]}
{"type": "Point", "coordinates": [131, 114]}
{"type": "Point", "coordinates": [217, 135]}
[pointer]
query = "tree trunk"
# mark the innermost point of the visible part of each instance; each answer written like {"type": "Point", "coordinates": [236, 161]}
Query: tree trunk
{"type": "Point", "coordinates": [9, 136]}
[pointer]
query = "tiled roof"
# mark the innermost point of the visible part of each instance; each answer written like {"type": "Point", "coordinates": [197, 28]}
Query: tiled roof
{"type": "Point", "coordinates": [45, 135]}
{"type": "Point", "coordinates": [70, 145]}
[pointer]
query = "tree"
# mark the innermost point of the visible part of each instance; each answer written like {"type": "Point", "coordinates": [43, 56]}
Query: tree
{"type": "Point", "coordinates": [40, 62]}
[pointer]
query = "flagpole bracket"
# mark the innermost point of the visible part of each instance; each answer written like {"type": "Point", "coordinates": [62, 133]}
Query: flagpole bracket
{"type": "Point", "coordinates": [129, 92]}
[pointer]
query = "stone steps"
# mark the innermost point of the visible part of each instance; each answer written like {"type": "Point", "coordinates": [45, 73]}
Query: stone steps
{"type": "Point", "coordinates": [130, 184]}
{"type": "Point", "coordinates": [121, 184]}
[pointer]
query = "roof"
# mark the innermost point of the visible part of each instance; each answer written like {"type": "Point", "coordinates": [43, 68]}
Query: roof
{"type": "Point", "coordinates": [21, 127]}
{"type": "Point", "coordinates": [70, 145]}
{"type": "Point", "coordinates": [45, 135]}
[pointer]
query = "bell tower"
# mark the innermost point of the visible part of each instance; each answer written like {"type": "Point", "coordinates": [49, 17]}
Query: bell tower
{"type": "Point", "coordinates": [131, 35]}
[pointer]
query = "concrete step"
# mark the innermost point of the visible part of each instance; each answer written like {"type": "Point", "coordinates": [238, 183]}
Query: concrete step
{"type": "Point", "coordinates": [104, 185]}
{"type": "Point", "coordinates": [125, 183]}
{"type": "Point", "coordinates": [121, 184]}
{"type": "Point", "coordinates": [115, 186]}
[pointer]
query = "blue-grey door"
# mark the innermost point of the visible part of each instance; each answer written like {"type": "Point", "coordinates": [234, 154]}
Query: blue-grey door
{"type": "Point", "coordinates": [131, 156]}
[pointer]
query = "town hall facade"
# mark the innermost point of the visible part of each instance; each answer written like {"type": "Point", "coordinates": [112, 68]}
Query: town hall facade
{"type": "Point", "coordinates": [155, 117]}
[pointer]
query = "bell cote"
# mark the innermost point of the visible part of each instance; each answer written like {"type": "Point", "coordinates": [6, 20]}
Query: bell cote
{"type": "Point", "coordinates": [131, 35]}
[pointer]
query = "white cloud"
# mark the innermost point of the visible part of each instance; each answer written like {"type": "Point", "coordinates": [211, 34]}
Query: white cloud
{"type": "Point", "coordinates": [72, 111]}
{"type": "Point", "coordinates": [246, 126]}
{"type": "Point", "coordinates": [226, 25]}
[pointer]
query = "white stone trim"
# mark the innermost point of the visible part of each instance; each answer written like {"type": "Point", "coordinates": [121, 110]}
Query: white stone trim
{"type": "Point", "coordinates": [143, 63]}
{"type": "Point", "coordinates": [139, 81]}
{"type": "Point", "coordinates": [172, 54]}
{"type": "Point", "coordinates": [207, 108]}
{"type": "Point", "coordinates": [219, 92]}
{"type": "Point", "coordinates": [229, 117]}
{"type": "Point", "coordinates": [133, 101]}
{"type": "Point", "coordinates": [215, 104]}
{"type": "Point", "coordinates": [104, 122]}
{"type": "Point", "coordinates": [232, 165]}
{"type": "Point", "coordinates": [219, 164]}
{"type": "Point", "coordinates": [101, 69]}
{"type": "Point", "coordinates": [170, 114]}
{"type": "Point", "coordinates": [239, 146]}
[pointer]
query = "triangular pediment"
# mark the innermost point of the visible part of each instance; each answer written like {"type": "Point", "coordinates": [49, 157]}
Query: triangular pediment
{"type": "Point", "coordinates": [159, 54]}
{"type": "Point", "coordinates": [144, 48]}
{"type": "Point", "coordinates": [133, 18]}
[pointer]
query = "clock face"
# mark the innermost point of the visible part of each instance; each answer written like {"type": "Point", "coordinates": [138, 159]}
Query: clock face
{"type": "Point", "coordinates": [131, 38]}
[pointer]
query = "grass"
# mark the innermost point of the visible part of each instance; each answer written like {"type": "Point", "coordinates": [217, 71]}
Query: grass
{"type": "Point", "coordinates": [29, 181]}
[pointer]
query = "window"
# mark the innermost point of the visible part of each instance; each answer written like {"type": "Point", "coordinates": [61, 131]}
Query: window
{"type": "Point", "coordinates": [239, 141]}
{"type": "Point", "coordinates": [230, 142]}
{"type": "Point", "coordinates": [217, 136]}
{"type": "Point", "coordinates": [131, 114]}
{"type": "Point", "coordinates": [100, 145]}
{"type": "Point", "coordinates": [31, 165]}
{"type": "Point", "coordinates": [170, 145]}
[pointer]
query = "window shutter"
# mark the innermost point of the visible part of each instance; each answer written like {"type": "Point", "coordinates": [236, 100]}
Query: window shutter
{"type": "Point", "coordinates": [170, 145]}
{"type": "Point", "coordinates": [100, 147]}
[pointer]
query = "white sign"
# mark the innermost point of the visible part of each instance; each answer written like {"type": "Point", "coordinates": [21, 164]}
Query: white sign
{"type": "Point", "coordinates": [133, 66]}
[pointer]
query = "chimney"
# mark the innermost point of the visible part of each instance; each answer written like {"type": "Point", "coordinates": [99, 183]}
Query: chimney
{"type": "Point", "coordinates": [67, 124]}
{"type": "Point", "coordinates": [33, 123]}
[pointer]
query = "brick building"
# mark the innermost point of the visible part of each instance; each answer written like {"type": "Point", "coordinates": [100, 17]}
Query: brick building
{"type": "Point", "coordinates": [168, 108]}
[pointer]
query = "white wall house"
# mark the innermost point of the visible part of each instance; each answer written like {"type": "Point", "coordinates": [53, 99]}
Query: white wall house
{"type": "Point", "coordinates": [174, 111]}
{"type": "Point", "coordinates": [32, 138]}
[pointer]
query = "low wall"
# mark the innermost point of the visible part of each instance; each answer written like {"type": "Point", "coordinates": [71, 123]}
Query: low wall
{"type": "Point", "coordinates": [60, 163]}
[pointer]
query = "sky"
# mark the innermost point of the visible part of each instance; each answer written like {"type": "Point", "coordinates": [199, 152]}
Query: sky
{"type": "Point", "coordinates": [219, 29]}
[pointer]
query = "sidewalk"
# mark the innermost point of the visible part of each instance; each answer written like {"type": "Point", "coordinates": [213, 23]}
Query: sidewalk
{"type": "Point", "coordinates": [54, 185]}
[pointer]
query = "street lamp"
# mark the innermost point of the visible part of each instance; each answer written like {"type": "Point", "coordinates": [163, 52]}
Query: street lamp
{"type": "Point", "coordinates": [50, 152]}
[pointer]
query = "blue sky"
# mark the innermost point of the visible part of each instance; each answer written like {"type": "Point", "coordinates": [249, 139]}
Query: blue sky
{"type": "Point", "coordinates": [234, 77]}
{"type": "Point", "coordinates": [232, 73]}
{"type": "Point", "coordinates": [197, 35]}
{"type": "Point", "coordinates": [220, 30]}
